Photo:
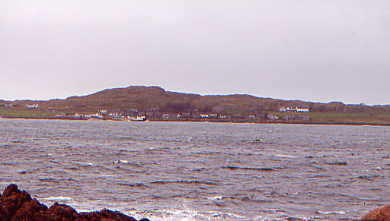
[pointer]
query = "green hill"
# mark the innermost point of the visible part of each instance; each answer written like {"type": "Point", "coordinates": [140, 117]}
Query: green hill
{"type": "Point", "coordinates": [157, 101]}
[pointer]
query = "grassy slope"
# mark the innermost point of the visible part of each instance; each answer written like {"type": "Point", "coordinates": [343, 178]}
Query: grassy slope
{"type": "Point", "coordinates": [375, 118]}
{"type": "Point", "coordinates": [7, 112]}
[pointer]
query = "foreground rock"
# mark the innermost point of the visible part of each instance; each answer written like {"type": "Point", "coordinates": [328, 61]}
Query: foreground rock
{"type": "Point", "coordinates": [17, 205]}
{"type": "Point", "coordinates": [380, 214]}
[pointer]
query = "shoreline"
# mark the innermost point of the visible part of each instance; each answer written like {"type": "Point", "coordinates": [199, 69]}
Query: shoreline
{"type": "Point", "coordinates": [18, 204]}
{"type": "Point", "coordinates": [211, 121]}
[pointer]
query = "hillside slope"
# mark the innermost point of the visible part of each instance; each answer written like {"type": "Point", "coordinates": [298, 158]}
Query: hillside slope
{"type": "Point", "coordinates": [156, 101]}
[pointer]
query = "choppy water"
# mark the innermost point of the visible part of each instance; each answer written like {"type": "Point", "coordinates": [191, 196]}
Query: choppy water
{"type": "Point", "coordinates": [200, 171]}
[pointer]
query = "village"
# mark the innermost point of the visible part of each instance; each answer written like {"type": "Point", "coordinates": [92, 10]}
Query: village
{"type": "Point", "coordinates": [133, 114]}
{"type": "Point", "coordinates": [297, 114]}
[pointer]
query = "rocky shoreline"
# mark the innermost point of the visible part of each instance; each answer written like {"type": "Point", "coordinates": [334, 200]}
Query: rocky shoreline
{"type": "Point", "coordinates": [17, 205]}
{"type": "Point", "coordinates": [380, 214]}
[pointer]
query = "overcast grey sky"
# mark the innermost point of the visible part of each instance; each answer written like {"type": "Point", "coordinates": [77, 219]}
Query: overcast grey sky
{"type": "Point", "coordinates": [319, 50]}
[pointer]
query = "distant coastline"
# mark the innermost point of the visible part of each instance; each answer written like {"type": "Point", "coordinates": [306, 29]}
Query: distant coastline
{"type": "Point", "coordinates": [211, 121]}
{"type": "Point", "coordinates": [157, 104]}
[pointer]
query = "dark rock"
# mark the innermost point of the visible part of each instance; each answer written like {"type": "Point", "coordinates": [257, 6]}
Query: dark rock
{"type": "Point", "coordinates": [61, 212]}
{"type": "Point", "coordinates": [104, 215]}
{"type": "Point", "coordinates": [17, 205]}
{"type": "Point", "coordinates": [12, 200]}
{"type": "Point", "coordinates": [30, 210]}
{"type": "Point", "coordinates": [379, 214]}
{"type": "Point", "coordinates": [10, 189]}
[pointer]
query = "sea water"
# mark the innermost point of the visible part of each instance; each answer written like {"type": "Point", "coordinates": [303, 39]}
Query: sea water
{"type": "Point", "coordinates": [200, 171]}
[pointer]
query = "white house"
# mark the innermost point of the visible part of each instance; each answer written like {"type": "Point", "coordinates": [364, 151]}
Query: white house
{"type": "Point", "coordinates": [294, 109]}
{"type": "Point", "coordinates": [32, 106]}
